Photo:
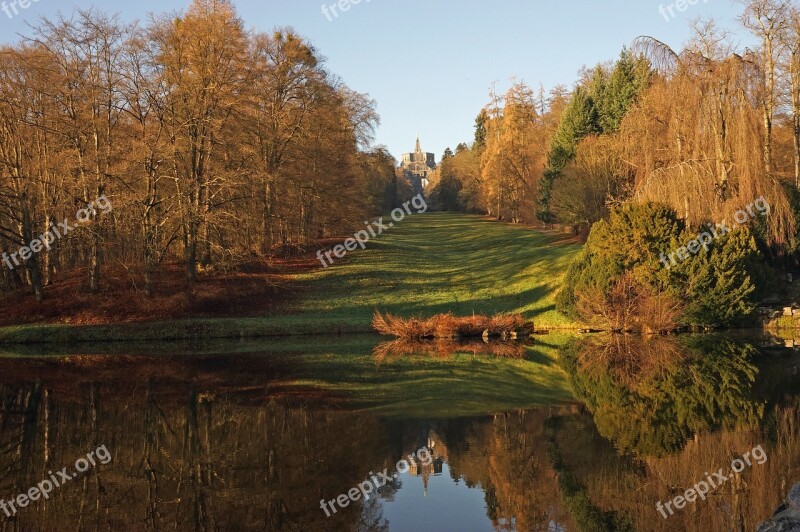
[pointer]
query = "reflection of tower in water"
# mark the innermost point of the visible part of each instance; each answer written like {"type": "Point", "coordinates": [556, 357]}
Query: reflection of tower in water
{"type": "Point", "coordinates": [435, 467]}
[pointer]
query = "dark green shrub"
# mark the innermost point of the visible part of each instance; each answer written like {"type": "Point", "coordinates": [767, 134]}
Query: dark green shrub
{"type": "Point", "coordinates": [717, 286]}
{"type": "Point", "coordinates": [714, 287]}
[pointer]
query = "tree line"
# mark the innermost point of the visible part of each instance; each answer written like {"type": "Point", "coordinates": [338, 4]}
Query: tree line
{"type": "Point", "coordinates": [706, 130]}
{"type": "Point", "coordinates": [641, 155]}
{"type": "Point", "coordinates": [216, 145]}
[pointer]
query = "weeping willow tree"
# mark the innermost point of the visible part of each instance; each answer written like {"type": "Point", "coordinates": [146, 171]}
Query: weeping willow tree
{"type": "Point", "coordinates": [696, 138]}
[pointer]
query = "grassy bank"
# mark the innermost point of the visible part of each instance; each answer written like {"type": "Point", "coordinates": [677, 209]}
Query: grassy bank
{"type": "Point", "coordinates": [428, 264]}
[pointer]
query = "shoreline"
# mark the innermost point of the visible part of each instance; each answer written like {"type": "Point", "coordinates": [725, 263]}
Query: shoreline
{"type": "Point", "coordinates": [206, 329]}
{"type": "Point", "coordinates": [195, 329]}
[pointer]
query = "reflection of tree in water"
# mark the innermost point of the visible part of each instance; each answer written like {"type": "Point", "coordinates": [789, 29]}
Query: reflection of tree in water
{"type": "Point", "coordinates": [372, 519]}
{"type": "Point", "coordinates": [650, 395]}
{"type": "Point", "coordinates": [192, 454]}
{"type": "Point", "coordinates": [506, 456]}
{"type": "Point", "coordinates": [445, 349]}
{"type": "Point", "coordinates": [199, 461]}
{"type": "Point", "coordinates": [197, 447]}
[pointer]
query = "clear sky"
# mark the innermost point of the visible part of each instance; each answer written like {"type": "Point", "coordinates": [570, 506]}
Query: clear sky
{"type": "Point", "coordinates": [431, 63]}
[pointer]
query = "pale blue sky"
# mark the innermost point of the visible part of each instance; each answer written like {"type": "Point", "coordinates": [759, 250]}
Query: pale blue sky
{"type": "Point", "coordinates": [430, 63]}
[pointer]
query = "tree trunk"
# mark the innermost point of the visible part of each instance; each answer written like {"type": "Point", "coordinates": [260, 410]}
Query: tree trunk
{"type": "Point", "coordinates": [33, 273]}
{"type": "Point", "coordinates": [767, 142]}
{"type": "Point", "coordinates": [191, 252]}
{"type": "Point", "coordinates": [94, 262]}
{"type": "Point", "coordinates": [267, 236]}
{"type": "Point", "coordinates": [794, 87]}
{"type": "Point", "coordinates": [797, 148]}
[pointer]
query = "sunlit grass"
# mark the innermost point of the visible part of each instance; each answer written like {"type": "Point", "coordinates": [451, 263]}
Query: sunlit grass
{"type": "Point", "coordinates": [438, 263]}
{"type": "Point", "coordinates": [428, 264]}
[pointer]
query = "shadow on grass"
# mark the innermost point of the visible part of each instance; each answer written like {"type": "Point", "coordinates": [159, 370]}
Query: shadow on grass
{"type": "Point", "coordinates": [429, 264]}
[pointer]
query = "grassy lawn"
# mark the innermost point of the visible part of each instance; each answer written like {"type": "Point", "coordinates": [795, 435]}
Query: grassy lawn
{"type": "Point", "coordinates": [436, 263]}
{"type": "Point", "coordinates": [427, 264]}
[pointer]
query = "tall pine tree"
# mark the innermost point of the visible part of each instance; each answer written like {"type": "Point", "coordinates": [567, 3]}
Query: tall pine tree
{"type": "Point", "coordinates": [580, 118]}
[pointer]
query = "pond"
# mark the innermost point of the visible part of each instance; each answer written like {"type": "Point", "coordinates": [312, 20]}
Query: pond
{"type": "Point", "coordinates": [601, 433]}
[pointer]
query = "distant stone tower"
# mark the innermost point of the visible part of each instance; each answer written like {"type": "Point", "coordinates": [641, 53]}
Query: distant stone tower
{"type": "Point", "coordinates": [417, 167]}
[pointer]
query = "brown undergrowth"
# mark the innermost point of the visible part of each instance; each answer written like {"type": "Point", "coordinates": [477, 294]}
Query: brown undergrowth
{"type": "Point", "coordinates": [450, 326]}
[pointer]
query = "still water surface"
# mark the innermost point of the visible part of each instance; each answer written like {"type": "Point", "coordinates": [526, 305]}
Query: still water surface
{"type": "Point", "coordinates": [253, 436]}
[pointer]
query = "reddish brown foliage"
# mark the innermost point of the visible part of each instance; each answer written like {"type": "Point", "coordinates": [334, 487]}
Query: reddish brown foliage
{"type": "Point", "coordinates": [255, 289]}
{"type": "Point", "coordinates": [450, 326]}
{"type": "Point", "coordinates": [445, 348]}
{"type": "Point", "coordinates": [630, 306]}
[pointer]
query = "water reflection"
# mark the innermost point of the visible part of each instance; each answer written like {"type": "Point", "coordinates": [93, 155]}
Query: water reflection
{"type": "Point", "coordinates": [676, 408]}
{"type": "Point", "coordinates": [195, 459]}
{"type": "Point", "coordinates": [445, 348]}
{"type": "Point", "coordinates": [254, 441]}
{"type": "Point", "coordinates": [651, 394]}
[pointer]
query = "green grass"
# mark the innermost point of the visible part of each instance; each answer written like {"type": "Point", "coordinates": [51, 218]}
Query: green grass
{"type": "Point", "coordinates": [427, 264]}
{"type": "Point", "coordinates": [437, 263]}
